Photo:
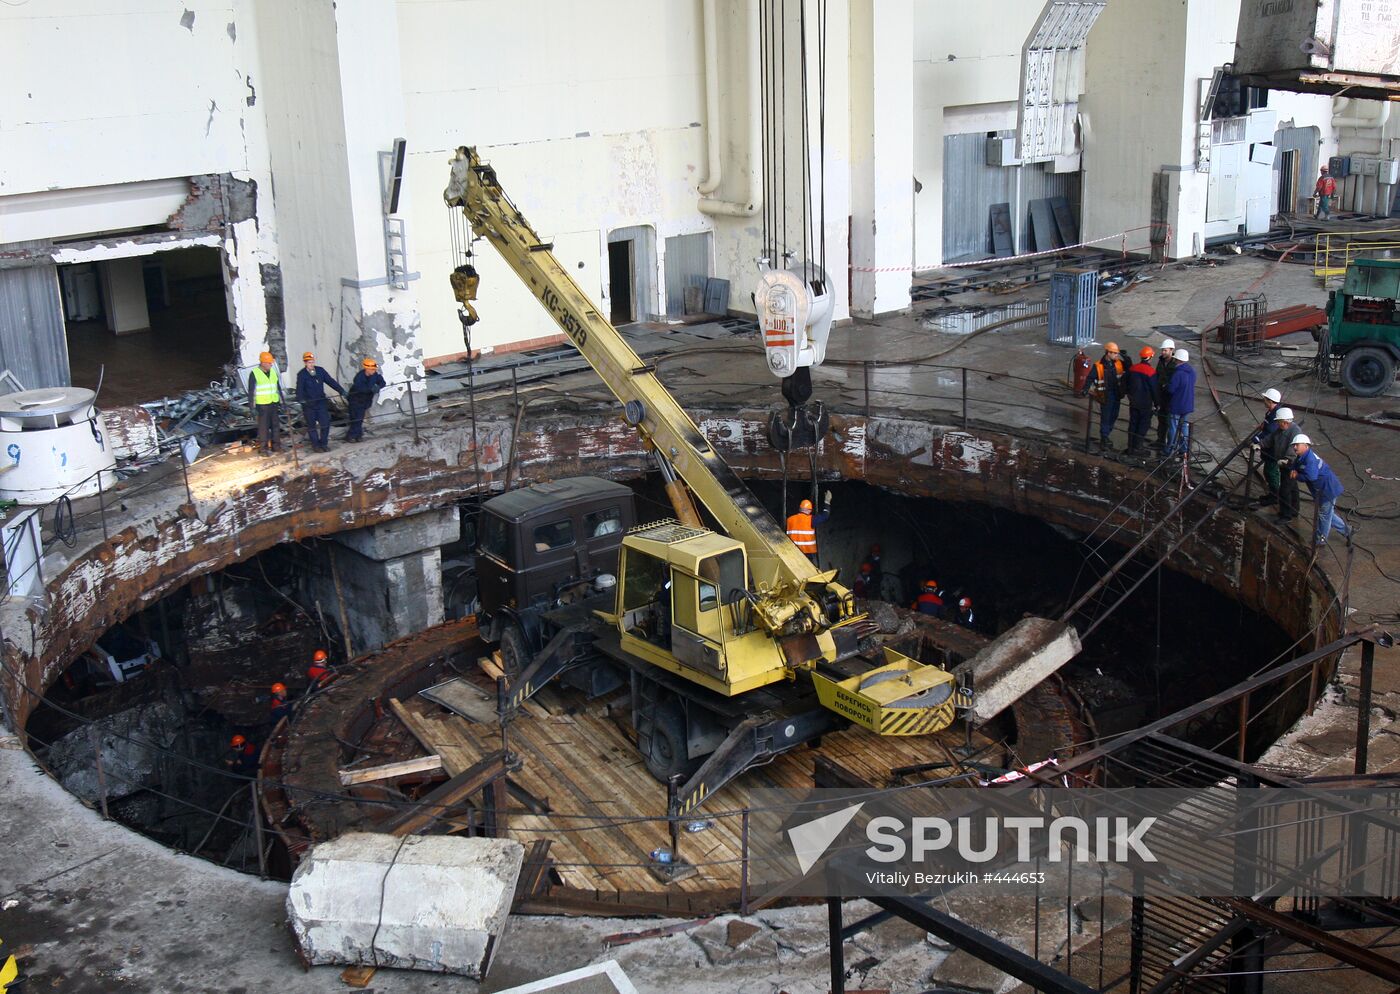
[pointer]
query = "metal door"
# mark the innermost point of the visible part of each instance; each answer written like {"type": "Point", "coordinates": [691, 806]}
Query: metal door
{"type": "Point", "coordinates": [33, 343]}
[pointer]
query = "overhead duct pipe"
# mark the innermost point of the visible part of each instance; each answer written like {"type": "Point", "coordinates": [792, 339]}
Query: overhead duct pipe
{"type": "Point", "coordinates": [754, 200]}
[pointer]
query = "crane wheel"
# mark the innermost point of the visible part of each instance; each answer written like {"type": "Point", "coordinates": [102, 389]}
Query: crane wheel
{"type": "Point", "coordinates": [515, 656]}
{"type": "Point", "coordinates": [666, 749]}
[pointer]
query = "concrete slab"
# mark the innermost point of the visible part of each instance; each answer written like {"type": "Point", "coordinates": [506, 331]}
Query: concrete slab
{"type": "Point", "coordinates": [1019, 659]}
{"type": "Point", "coordinates": [404, 536]}
{"type": "Point", "coordinates": [434, 903]}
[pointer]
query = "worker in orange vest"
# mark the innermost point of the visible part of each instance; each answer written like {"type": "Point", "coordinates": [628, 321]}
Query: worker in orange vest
{"type": "Point", "coordinates": [1105, 385]}
{"type": "Point", "coordinates": [802, 526]}
{"type": "Point", "coordinates": [930, 600]}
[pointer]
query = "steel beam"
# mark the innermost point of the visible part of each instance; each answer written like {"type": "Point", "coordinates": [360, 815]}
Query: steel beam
{"type": "Point", "coordinates": [1340, 949]}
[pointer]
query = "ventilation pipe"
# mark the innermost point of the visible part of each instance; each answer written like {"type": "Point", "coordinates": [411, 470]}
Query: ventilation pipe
{"type": "Point", "coordinates": [754, 200]}
{"type": "Point", "coordinates": [1340, 119]}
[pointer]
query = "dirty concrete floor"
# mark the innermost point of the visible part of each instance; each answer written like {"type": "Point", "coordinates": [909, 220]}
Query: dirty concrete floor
{"type": "Point", "coordinates": [103, 906]}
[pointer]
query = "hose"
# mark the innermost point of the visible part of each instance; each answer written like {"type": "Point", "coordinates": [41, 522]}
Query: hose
{"type": "Point", "coordinates": [65, 528]}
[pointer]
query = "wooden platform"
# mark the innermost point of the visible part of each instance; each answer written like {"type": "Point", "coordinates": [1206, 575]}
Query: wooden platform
{"type": "Point", "coordinates": [606, 812]}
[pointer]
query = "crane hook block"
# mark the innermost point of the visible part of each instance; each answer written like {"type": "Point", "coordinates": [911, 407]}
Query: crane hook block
{"type": "Point", "coordinates": [794, 315]}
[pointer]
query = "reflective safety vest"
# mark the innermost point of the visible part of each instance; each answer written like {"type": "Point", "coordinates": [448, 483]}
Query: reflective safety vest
{"type": "Point", "coordinates": [800, 530]}
{"type": "Point", "coordinates": [266, 388]}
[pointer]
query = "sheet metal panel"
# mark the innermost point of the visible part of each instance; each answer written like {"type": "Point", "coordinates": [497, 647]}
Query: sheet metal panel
{"type": "Point", "coordinates": [1052, 76]}
{"type": "Point", "coordinates": [971, 187]}
{"type": "Point", "coordinates": [33, 341]}
{"type": "Point", "coordinates": [687, 263]}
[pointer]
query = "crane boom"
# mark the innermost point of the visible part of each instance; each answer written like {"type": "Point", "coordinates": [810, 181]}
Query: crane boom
{"type": "Point", "coordinates": [647, 405]}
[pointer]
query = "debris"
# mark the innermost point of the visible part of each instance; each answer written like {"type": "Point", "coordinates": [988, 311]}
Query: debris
{"type": "Point", "coordinates": [358, 976]}
{"type": "Point", "coordinates": [435, 903]}
{"type": "Point", "coordinates": [625, 938]}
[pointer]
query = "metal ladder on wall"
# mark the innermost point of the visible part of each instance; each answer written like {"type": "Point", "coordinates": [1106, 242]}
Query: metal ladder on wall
{"type": "Point", "coordinates": [395, 253]}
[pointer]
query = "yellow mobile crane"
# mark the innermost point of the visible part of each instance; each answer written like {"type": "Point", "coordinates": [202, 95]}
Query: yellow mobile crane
{"type": "Point", "coordinates": [736, 646]}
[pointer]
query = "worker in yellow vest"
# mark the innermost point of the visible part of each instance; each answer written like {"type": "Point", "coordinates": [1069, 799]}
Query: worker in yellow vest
{"type": "Point", "coordinates": [802, 526]}
{"type": "Point", "coordinates": [265, 401]}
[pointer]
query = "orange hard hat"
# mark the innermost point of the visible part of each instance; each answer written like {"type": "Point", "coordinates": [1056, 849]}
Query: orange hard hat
{"type": "Point", "coordinates": [279, 688]}
{"type": "Point", "coordinates": [931, 585]}
{"type": "Point", "coordinates": [308, 357]}
{"type": "Point", "coordinates": [1111, 347]}
{"type": "Point", "coordinates": [320, 656]}
{"type": "Point", "coordinates": [370, 363]}
{"type": "Point", "coordinates": [265, 357]}
{"type": "Point", "coordinates": [237, 742]}
{"type": "Point", "coordinates": [806, 505]}
{"type": "Point", "coordinates": [1146, 352]}
{"type": "Point", "coordinates": [866, 568]}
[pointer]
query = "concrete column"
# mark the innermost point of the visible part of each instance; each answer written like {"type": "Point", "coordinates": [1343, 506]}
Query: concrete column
{"type": "Point", "coordinates": [124, 296]}
{"type": "Point", "coordinates": [390, 577]}
{"type": "Point", "coordinates": [882, 154]}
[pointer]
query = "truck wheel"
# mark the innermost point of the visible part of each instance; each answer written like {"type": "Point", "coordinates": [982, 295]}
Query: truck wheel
{"type": "Point", "coordinates": [666, 745]}
{"type": "Point", "coordinates": [514, 654]}
{"type": "Point", "coordinates": [1367, 372]}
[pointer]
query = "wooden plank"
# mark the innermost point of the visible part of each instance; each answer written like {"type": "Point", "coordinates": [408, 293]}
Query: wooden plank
{"type": "Point", "coordinates": [438, 801]}
{"type": "Point", "coordinates": [423, 764]}
{"type": "Point", "coordinates": [533, 872]}
{"type": "Point", "coordinates": [491, 667]}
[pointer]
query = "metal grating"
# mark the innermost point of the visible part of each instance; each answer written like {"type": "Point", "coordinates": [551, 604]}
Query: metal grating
{"type": "Point", "coordinates": [668, 530]}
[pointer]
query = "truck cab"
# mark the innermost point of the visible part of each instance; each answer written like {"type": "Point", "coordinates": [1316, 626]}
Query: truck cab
{"type": "Point", "coordinates": [542, 546]}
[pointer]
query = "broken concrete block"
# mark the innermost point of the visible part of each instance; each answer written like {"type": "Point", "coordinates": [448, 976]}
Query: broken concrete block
{"type": "Point", "coordinates": [434, 903]}
{"type": "Point", "coordinates": [1016, 661]}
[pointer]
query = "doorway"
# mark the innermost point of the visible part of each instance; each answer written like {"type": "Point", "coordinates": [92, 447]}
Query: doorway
{"type": "Point", "coordinates": [621, 278]}
{"type": "Point", "coordinates": [149, 326]}
{"type": "Point", "coordinates": [1288, 182]}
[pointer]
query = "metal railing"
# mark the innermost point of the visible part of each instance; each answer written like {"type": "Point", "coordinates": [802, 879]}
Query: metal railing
{"type": "Point", "coordinates": [1333, 251]}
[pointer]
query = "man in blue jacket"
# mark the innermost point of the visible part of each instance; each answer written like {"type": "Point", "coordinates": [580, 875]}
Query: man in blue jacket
{"type": "Point", "coordinates": [1309, 468]}
{"type": "Point", "coordinates": [311, 395]}
{"type": "Point", "coordinates": [1180, 397]}
{"type": "Point", "coordinates": [1141, 388]}
{"type": "Point", "coordinates": [363, 387]}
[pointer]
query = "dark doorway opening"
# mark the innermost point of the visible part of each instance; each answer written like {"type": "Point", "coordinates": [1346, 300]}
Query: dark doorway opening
{"type": "Point", "coordinates": [149, 327]}
{"type": "Point", "coordinates": [621, 279]}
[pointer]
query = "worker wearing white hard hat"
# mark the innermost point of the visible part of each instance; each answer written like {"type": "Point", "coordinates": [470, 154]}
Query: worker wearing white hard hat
{"type": "Point", "coordinates": [1179, 395]}
{"type": "Point", "coordinates": [1276, 455]}
{"type": "Point", "coordinates": [1165, 367]}
{"type": "Point", "coordinates": [1272, 400]}
{"type": "Point", "coordinates": [1308, 467]}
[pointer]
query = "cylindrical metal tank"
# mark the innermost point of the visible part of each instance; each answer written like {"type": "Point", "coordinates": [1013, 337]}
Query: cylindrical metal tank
{"type": "Point", "coordinates": [52, 442]}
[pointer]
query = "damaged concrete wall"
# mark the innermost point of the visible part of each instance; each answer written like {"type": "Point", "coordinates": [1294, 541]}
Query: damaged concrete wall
{"type": "Point", "coordinates": [237, 515]}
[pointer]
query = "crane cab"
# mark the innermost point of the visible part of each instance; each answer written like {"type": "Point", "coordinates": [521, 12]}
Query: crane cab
{"type": "Point", "coordinates": [682, 605]}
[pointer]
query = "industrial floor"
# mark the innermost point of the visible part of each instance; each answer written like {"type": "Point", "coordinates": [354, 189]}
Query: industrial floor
{"type": "Point", "coordinates": [96, 907]}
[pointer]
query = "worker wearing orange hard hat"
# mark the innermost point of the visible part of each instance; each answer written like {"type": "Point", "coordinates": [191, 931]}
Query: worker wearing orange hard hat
{"type": "Point", "coordinates": [319, 673]}
{"type": "Point", "coordinates": [312, 381]}
{"type": "Point", "coordinates": [1105, 385]}
{"type": "Point", "coordinates": [802, 526]}
{"type": "Point", "coordinates": [367, 383]}
{"type": "Point", "coordinates": [1140, 386]}
{"type": "Point", "coordinates": [277, 705]}
{"type": "Point", "coordinates": [265, 401]}
{"type": "Point", "coordinates": [242, 756]}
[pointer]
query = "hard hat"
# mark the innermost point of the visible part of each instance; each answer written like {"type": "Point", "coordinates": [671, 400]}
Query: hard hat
{"type": "Point", "coordinates": [308, 357]}
{"type": "Point", "coordinates": [1302, 440]}
{"type": "Point", "coordinates": [320, 656]}
{"type": "Point", "coordinates": [806, 505]}
{"type": "Point", "coordinates": [1167, 343]}
{"type": "Point", "coordinates": [1283, 414]}
{"type": "Point", "coordinates": [1111, 347]}
{"type": "Point", "coordinates": [866, 568]}
{"type": "Point", "coordinates": [279, 689]}
{"type": "Point", "coordinates": [370, 363]}
{"type": "Point", "coordinates": [1146, 352]}
{"type": "Point", "coordinates": [965, 602]}
{"type": "Point", "coordinates": [1324, 169]}
{"type": "Point", "coordinates": [1182, 355]}
{"type": "Point", "coordinates": [237, 742]}
{"type": "Point", "coordinates": [265, 357]}
{"type": "Point", "coordinates": [931, 586]}
{"type": "Point", "coordinates": [1272, 394]}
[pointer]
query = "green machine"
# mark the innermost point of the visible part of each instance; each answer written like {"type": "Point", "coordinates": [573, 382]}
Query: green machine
{"type": "Point", "coordinates": [1361, 345]}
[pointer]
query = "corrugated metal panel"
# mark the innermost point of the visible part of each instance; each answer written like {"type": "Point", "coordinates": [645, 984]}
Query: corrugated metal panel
{"type": "Point", "coordinates": [33, 342]}
{"type": "Point", "coordinates": [971, 187]}
{"type": "Point", "coordinates": [687, 264]}
{"type": "Point", "coordinates": [1304, 142]}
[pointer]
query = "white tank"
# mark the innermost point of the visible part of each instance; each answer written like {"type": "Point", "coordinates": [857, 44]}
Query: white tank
{"type": "Point", "coordinates": [52, 442]}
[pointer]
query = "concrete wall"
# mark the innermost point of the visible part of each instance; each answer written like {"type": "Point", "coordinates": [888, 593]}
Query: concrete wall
{"type": "Point", "coordinates": [967, 77]}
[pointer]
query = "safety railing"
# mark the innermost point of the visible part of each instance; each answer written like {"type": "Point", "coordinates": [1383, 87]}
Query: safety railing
{"type": "Point", "coordinates": [1334, 251]}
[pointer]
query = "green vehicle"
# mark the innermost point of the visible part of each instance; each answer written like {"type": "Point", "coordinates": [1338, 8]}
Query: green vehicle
{"type": "Point", "coordinates": [1361, 344]}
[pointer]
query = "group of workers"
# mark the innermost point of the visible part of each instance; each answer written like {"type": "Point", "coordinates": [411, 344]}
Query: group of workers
{"type": "Point", "coordinates": [1166, 390]}
{"type": "Point", "coordinates": [933, 600]}
{"type": "Point", "coordinates": [265, 400]}
{"type": "Point", "coordinates": [242, 755]}
{"type": "Point", "coordinates": [1288, 458]}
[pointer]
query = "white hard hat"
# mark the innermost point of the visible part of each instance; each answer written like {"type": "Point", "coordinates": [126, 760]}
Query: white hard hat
{"type": "Point", "coordinates": [1167, 343]}
{"type": "Point", "coordinates": [1302, 440]}
{"type": "Point", "coordinates": [1283, 414]}
{"type": "Point", "coordinates": [1272, 394]}
{"type": "Point", "coordinates": [1182, 356]}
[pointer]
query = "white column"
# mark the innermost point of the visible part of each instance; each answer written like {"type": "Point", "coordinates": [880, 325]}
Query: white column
{"type": "Point", "coordinates": [124, 296]}
{"type": "Point", "coordinates": [882, 154]}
